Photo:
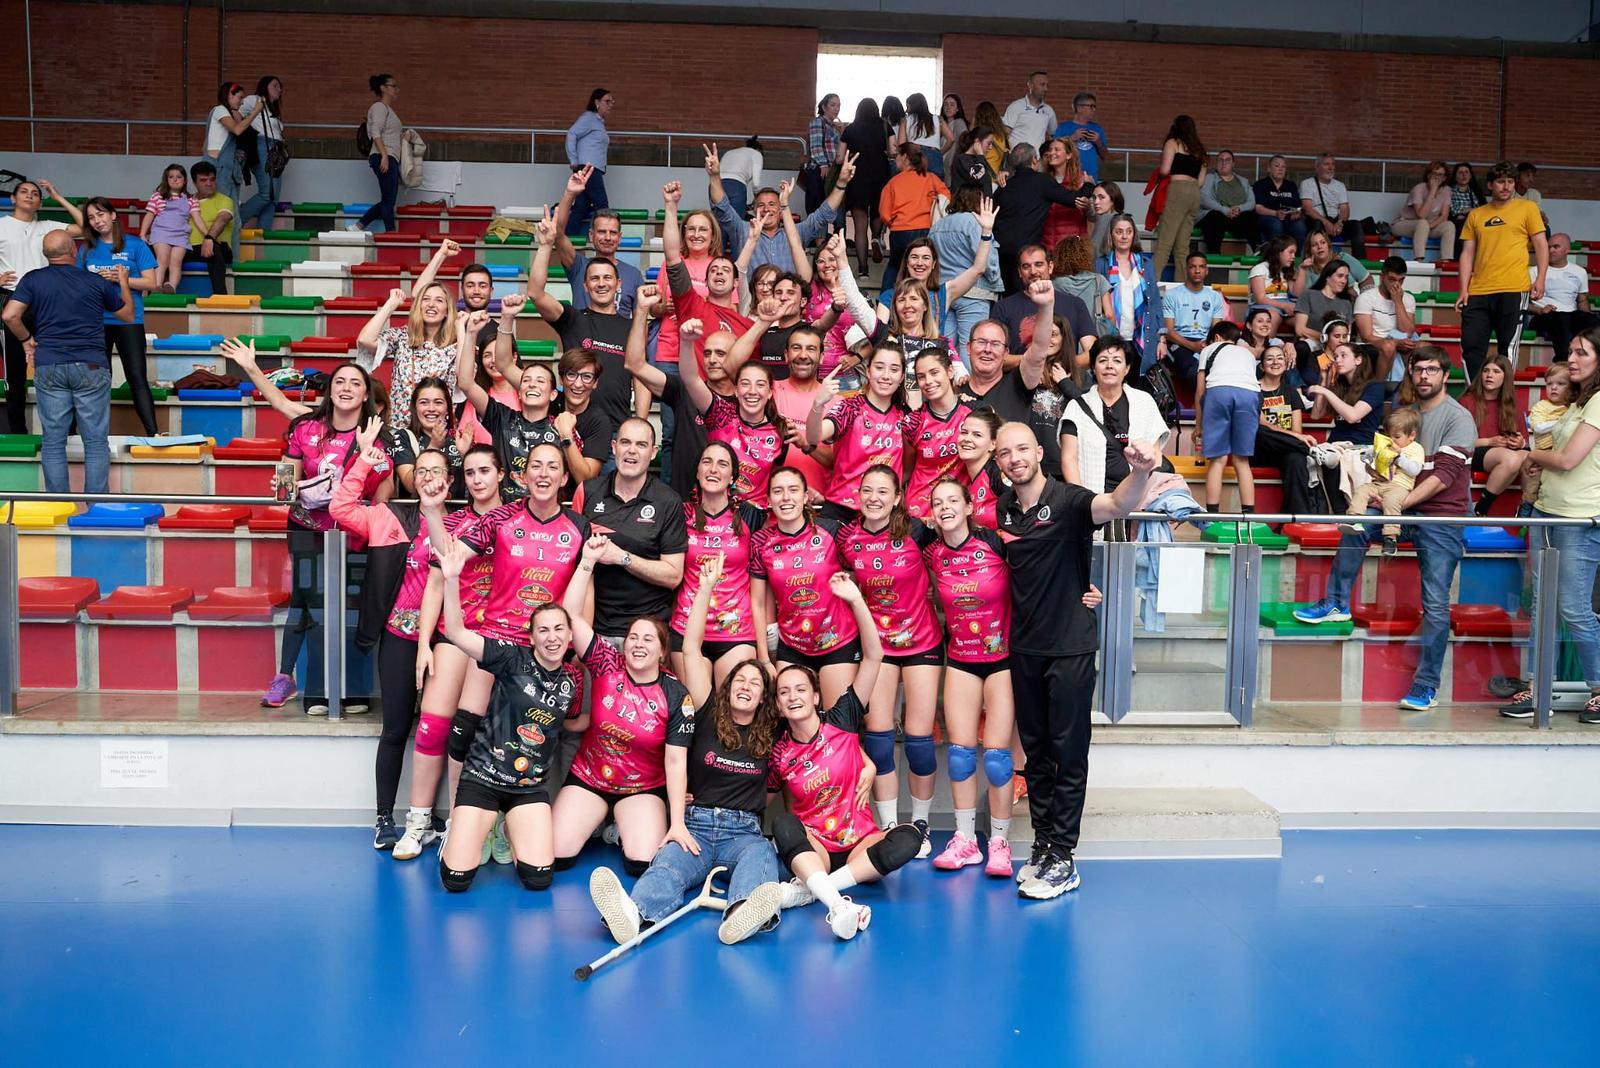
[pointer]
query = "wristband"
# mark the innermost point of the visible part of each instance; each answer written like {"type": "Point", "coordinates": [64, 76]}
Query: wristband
{"type": "Point", "coordinates": [985, 237]}
{"type": "Point", "coordinates": [566, 443]}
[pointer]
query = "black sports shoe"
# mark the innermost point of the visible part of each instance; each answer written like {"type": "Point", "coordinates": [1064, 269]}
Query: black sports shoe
{"type": "Point", "coordinates": [1057, 877]}
{"type": "Point", "coordinates": [924, 850]}
{"type": "Point", "coordinates": [384, 832]}
{"type": "Point", "coordinates": [1504, 686]}
{"type": "Point", "coordinates": [1591, 711]}
{"type": "Point", "coordinates": [1521, 706]}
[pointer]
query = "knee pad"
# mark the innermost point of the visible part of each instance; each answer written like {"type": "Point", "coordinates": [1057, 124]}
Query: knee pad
{"type": "Point", "coordinates": [455, 881]}
{"type": "Point", "coordinates": [880, 747]}
{"type": "Point", "coordinates": [919, 754]}
{"type": "Point", "coordinates": [564, 863]}
{"type": "Point", "coordinates": [963, 762]}
{"type": "Point", "coordinates": [463, 727]}
{"type": "Point", "coordinates": [789, 837]}
{"type": "Point", "coordinates": [432, 732]}
{"type": "Point", "coordinates": [634, 868]}
{"type": "Point", "coordinates": [895, 849]}
{"type": "Point", "coordinates": [997, 766]}
{"type": "Point", "coordinates": [535, 876]}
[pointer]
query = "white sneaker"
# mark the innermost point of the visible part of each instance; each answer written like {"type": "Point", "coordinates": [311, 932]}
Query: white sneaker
{"type": "Point", "coordinates": [616, 908]}
{"type": "Point", "coordinates": [353, 228]}
{"type": "Point", "coordinates": [849, 919]}
{"type": "Point", "coordinates": [751, 915]}
{"type": "Point", "coordinates": [320, 708]}
{"type": "Point", "coordinates": [796, 895]}
{"type": "Point", "coordinates": [354, 710]}
{"type": "Point", "coordinates": [419, 834]}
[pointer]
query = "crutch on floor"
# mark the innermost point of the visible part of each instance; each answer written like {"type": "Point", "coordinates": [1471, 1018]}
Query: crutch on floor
{"type": "Point", "coordinates": [708, 898]}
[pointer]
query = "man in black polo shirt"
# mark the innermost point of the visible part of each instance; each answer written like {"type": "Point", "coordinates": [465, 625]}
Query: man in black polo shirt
{"type": "Point", "coordinates": [1049, 528]}
{"type": "Point", "coordinates": [643, 565]}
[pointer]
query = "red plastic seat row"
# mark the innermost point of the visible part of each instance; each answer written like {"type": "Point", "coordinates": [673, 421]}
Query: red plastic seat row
{"type": "Point", "coordinates": [250, 449]}
{"type": "Point", "coordinates": [238, 603]}
{"type": "Point", "coordinates": [337, 346]}
{"type": "Point", "coordinates": [1487, 621]}
{"type": "Point", "coordinates": [224, 517]}
{"type": "Point", "coordinates": [65, 597]}
{"type": "Point", "coordinates": [1392, 619]}
{"type": "Point", "coordinates": [60, 597]}
{"type": "Point", "coordinates": [142, 602]}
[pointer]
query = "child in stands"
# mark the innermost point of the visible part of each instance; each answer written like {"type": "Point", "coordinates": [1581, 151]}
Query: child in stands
{"type": "Point", "coordinates": [1542, 419]}
{"type": "Point", "coordinates": [1396, 460]}
{"type": "Point", "coordinates": [166, 224]}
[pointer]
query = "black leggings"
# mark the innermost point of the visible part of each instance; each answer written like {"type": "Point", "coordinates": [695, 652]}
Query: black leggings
{"type": "Point", "coordinates": [397, 682]}
{"type": "Point", "coordinates": [128, 340]}
{"type": "Point", "coordinates": [16, 374]}
{"type": "Point", "coordinates": [1273, 450]}
{"type": "Point", "coordinates": [305, 596]}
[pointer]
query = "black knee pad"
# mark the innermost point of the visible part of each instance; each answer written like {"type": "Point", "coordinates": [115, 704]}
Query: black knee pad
{"type": "Point", "coordinates": [894, 849]}
{"type": "Point", "coordinates": [634, 868]}
{"type": "Point", "coordinates": [463, 728]}
{"type": "Point", "coordinates": [564, 863]}
{"type": "Point", "coordinates": [455, 881]}
{"type": "Point", "coordinates": [535, 876]}
{"type": "Point", "coordinates": [790, 837]}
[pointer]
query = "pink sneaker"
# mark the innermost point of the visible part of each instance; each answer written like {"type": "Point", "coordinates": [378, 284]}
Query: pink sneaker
{"type": "Point", "coordinates": [962, 852]}
{"type": "Point", "coordinates": [999, 858]}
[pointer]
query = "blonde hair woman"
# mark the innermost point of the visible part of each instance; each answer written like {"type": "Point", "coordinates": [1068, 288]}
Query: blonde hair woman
{"type": "Point", "coordinates": [424, 348]}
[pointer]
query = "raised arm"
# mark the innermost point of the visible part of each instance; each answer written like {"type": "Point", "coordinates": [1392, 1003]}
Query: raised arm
{"type": "Point", "coordinates": [634, 357]}
{"type": "Point", "coordinates": [692, 378]}
{"type": "Point", "coordinates": [791, 231]}
{"type": "Point", "coordinates": [372, 330]}
{"type": "Point", "coordinates": [671, 236]}
{"type": "Point", "coordinates": [549, 307]}
{"type": "Point", "coordinates": [505, 342]}
{"type": "Point", "coordinates": [958, 286]}
{"type": "Point", "coordinates": [697, 672]}
{"type": "Point", "coordinates": [844, 588]}
{"type": "Point", "coordinates": [861, 309]}
{"type": "Point", "coordinates": [446, 249]}
{"type": "Point", "coordinates": [1043, 294]}
{"type": "Point", "coordinates": [453, 557]}
{"type": "Point", "coordinates": [576, 601]}
{"type": "Point", "coordinates": [1142, 457]}
{"type": "Point", "coordinates": [577, 182]}
{"type": "Point", "coordinates": [243, 353]}
{"type": "Point", "coordinates": [346, 507]}
{"type": "Point", "coordinates": [819, 428]}
{"type": "Point", "coordinates": [747, 344]}
{"type": "Point", "coordinates": [847, 171]}
{"type": "Point", "coordinates": [77, 229]}
{"type": "Point", "coordinates": [735, 228]}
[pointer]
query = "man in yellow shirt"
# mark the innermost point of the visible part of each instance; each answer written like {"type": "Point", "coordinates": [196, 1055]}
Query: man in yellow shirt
{"type": "Point", "coordinates": [1495, 287]}
{"type": "Point", "coordinates": [217, 212]}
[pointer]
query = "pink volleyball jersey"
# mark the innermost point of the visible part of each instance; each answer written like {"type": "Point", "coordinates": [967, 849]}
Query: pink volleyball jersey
{"type": "Point", "coordinates": [477, 578]}
{"type": "Point", "coordinates": [863, 435]}
{"type": "Point", "coordinates": [533, 561]}
{"type": "Point", "coordinates": [894, 582]}
{"type": "Point", "coordinates": [985, 488]}
{"type": "Point", "coordinates": [932, 440]}
{"type": "Point", "coordinates": [622, 750]}
{"type": "Point", "coordinates": [819, 776]}
{"type": "Point", "coordinates": [407, 610]}
{"type": "Point", "coordinates": [729, 618]}
{"type": "Point", "coordinates": [759, 447]}
{"type": "Point", "coordinates": [811, 620]}
{"type": "Point", "coordinates": [974, 588]}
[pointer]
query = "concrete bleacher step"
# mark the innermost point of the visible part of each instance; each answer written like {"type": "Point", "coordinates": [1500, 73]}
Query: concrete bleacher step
{"type": "Point", "coordinates": [1146, 823]}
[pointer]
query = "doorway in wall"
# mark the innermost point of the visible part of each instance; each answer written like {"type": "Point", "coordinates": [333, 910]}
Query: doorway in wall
{"type": "Point", "coordinates": [857, 71]}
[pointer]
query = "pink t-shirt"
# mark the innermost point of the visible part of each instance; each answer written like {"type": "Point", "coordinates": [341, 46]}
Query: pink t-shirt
{"type": "Point", "coordinates": [407, 610]}
{"type": "Point", "coordinates": [795, 405]}
{"type": "Point", "coordinates": [933, 439]}
{"type": "Point", "coordinates": [477, 578]}
{"type": "Point", "coordinates": [974, 588]}
{"type": "Point", "coordinates": [863, 435]}
{"type": "Point", "coordinates": [833, 346]}
{"type": "Point", "coordinates": [894, 581]}
{"type": "Point", "coordinates": [819, 776]}
{"type": "Point", "coordinates": [533, 561]}
{"type": "Point", "coordinates": [324, 451]}
{"type": "Point", "coordinates": [622, 750]}
{"type": "Point", "coordinates": [811, 620]}
{"type": "Point", "coordinates": [729, 618]}
{"type": "Point", "coordinates": [758, 446]}
{"type": "Point", "coordinates": [985, 488]}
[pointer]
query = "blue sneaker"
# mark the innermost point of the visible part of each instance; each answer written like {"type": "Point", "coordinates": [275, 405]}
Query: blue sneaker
{"type": "Point", "coordinates": [1420, 699]}
{"type": "Point", "coordinates": [1324, 611]}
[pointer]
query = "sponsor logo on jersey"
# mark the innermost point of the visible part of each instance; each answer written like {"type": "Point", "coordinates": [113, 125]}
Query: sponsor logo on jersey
{"type": "Point", "coordinates": [530, 734]}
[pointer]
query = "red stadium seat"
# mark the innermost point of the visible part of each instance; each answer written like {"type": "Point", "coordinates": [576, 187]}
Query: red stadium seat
{"type": "Point", "coordinates": [142, 602]}
{"type": "Point", "coordinates": [239, 602]}
{"type": "Point", "coordinates": [250, 449]}
{"type": "Point", "coordinates": [207, 517]}
{"type": "Point", "coordinates": [1393, 619]}
{"type": "Point", "coordinates": [60, 597]}
{"type": "Point", "coordinates": [1313, 535]}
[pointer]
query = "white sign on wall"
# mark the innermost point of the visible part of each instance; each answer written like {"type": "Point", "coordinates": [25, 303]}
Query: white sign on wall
{"type": "Point", "coordinates": [139, 764]}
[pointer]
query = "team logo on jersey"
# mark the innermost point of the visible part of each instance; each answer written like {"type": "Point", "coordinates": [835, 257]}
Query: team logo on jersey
{"type": "Point", "coordinates": [968, 603]}
{"type": "Point", "coordinates": [530, 734]}
{"type": "Point", "coordinates": [519, 532]}
{"type": "Point", "coordinates": [566, 687]}
{"type": "Point", "coordinates": [816, 541]}
{"type": "Point", "coordinates": [804, 598]}
{"type": "Point", "coordinates": [613, 746]}
{"type": "Point", "coordinates": [520, 764]}
{"type": "Point", "coordinates": [564, 538]}
{"type": "Point", "coordinates": [777, 564]}
{"type": "Point", "coordinates": [977, 556]}
{"type": "Point", "coordinates": [608, 702]}
{"type": "Point", "coordinates": [648, 512]}
{"type": "Point", "coordinates": [599, 507]}
{"type": "Point", "coordinates": [651, 705]}
{"type": "Point", "coordinates": [516, 550]}
{"type": "Point", "coordinates": [1044, 513]}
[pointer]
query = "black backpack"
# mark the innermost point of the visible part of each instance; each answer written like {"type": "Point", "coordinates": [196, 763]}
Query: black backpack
{"type": "Point", "coordinates": [363, 140]}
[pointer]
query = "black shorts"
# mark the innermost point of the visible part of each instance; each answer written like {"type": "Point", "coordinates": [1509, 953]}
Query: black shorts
{"type": "Point", "coordinates": [837, 860]}
{"type": "Point", "coordinates": [713, 651]}
{"type": "Point", "coordinates": [473, 794]}
{"type": "Point", "coordinates": [611, 798]}
{"type": "Point", "coordinates": [983, 670]}
{"type": "Point", "coordinates": [848, 653]}
{"type": "Point", "coordinates": [931, 658]}
{"type": "Point", "coordinates": [1478, 455]}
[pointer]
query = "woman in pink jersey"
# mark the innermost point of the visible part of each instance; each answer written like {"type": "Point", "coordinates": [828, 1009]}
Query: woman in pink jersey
{"type": "Point", "coordinates": [884, 551]}
{"type": "Point", "coordinates": [827, 837]}
{"type": "Point", "coordinates": [978, 471]}
{"type": "Point", "coordinates": [932, 430]}
{"type": "Point", "coordinates": [749, 422]}
{"type": "Point", "coordinates": [792, 560]}
{"type": "Point", "coordinates": [866, 429]}
{"type": "Point", "coordinates": [719, 525]}
{"type": "Point", "coordinates": [620, 769]}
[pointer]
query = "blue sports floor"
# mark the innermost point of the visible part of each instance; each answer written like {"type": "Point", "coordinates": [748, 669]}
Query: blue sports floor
{"type": "Point", "coordinates": [304, 947]}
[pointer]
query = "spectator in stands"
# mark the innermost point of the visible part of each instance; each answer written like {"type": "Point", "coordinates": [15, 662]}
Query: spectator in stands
{"type": "Point", "coordinates": [894, 117]}
{"type": "Point", "coordinates": [866, 139]}
{"type": "Point", "coordinates": [432, 428]}
{"type": "Point", "coordinates": [1427, 211]}
{"type": "Point", "coordinates": [922, 263]}
{"type": "Point", "coordinates": [105, 248]}
{"type": "Point", "coordinates": [1325, 199]}
{"type": "Point", "coordinates": [1105, 204]}
{"type": "Point", "coordinates": [1569, 487]}
{"type": "Point", "coordinates": [1496, 287]}
{"type": "Point", "coordinates": [1072, 270]}
{"type": "Point", "coordinates": [906, 205]}
{"type": "Point", "coordinates": [920, 128]}
{"type": "Point", "coordinates": [794, 395]}
{"type": "Point", "coordinates": [1059, 162]}
{"type": "Point", "coordinates": [1017, 311]}
{"type": "Point", "coordinates": [587, 146]}
{"type": "Point", "coordinates": [1098, 424]}
{"type": "Point", "coordinates": [1394, 465]}
{"type": "Point", "coordinates": [605, 238]}
{"type": "Point", "coordinates": [1278, 208]}
{"type": "Point", "coordinates": [999, 152]}
{"type": "Point", "coordinates": [1329, 298]}
{"type": "Point", "coordinates": [22, 235]}
{"type": "Point", "coordinates": [1135, 294]}
{"type": "Point", "coordinates": [265, 108]}
{"type": "Point", "coordinates": [1228, 204]}
{"type": "Point", "coordinates": [1086, 134]}
{"type": "Point", "coordinates": [383, 127]}
{"type": "Point", "coordinates": [476, 284]}
{"type": "Point", "coordinates": [1319, 253]}
{"type": "Point", "coordinates": [1563, 312]}
{"type": "Point", "coordinates": [1443, 489]}
{"type": "Point", "coordinates": [1353, 400]}
{"type": "Point", "coordinates": [1023, 204]}
{"type": "Point", "coordinates": [227, 121]}
{"type": "Point", "coordinates": [424, 348]}
{"type": "Point", "coordinates": [518, 422]}
{"type": "Point", "coordinates": [1009, 393]}
{"type": "Point", "coordinates": [1258, 331]}
{"type": "Point", "coordinates": [1386, 317]}
{"type": "Point", "coordinates": [773, 244]}
{"type": "Point", "coordinates": [71, 370]}
{"type": "Point", "coordinates": [165, 225]}
{"type": "Point", "coordinates": [1029, 118]}
{"type": "Point", "coordinates": [822, 151]}
{"type": "Point", "coordinates": [963, 243]}
{"type": "Point", "coordinates": [1274, 278]}
{"type": "Point", "coordinates": [971, 165]}
{"type": "Point", "coordinates": [208, 238]}
{"type": "Point", "coordinates": [1183, 164]}
{"type": "Point", "coordinates": [1466, 193]}
{"type": "Point", "coordinates": [1281, 441]}
{"type": "Point", "coordinates": [1526, 174]}
{"type": "Point", "coordinates": [1188, 312]}
{"type": "Point", "coordinates": [740, 172]}
{"type": "Point", "coordinates": [1227, 411]}
{"type": "Point", "coordinates": [952, 124]}
{"type": "Point", "coordinates": [1543, 416]}
{"type": "Point", "coordinates": [1491, 398]}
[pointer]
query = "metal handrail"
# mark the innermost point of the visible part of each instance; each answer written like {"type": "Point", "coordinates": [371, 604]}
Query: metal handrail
{"type": "Point", "coordinates": [1404, 519]}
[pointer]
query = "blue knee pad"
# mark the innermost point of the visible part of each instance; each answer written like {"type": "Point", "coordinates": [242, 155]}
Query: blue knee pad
{"type": "Point", "coordinates": [919, 754]}
{"type": "Point", "coordinates": [963, 762]}
{"type": "Point", "coordinates": [997, 766]}
{"type": "Point", "coordinates": [880, 747]}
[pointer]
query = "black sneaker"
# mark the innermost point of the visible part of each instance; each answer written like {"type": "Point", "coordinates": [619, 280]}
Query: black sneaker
{"type": "Point", "coordinates": [384, 832]}
{"type": "Point", "coordinates": [1591, 710]}
{"type": "Point", "coordinates": [1521, 706]}
{"type": "Point", "coordinates": [1390, 545]}
{"type": "Point", "coordinates": [1037, 857]}
{"type": "Point", "coordinates": [1504, 686]}
{"type": "Point", "coordinates": [925, 850]}
{"type": "Point", "coordinates": [1058, 876]}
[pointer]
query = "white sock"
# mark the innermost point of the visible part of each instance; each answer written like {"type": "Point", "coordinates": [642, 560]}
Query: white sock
{"type": "Point", "coordinates": [999, 828]}
{"type": "Point", "coordinates": [921, 808]}
{"type": "Point", "coordinates": [420, 815]}
{"type": "Point", "coordinates": [967, 822]}
{"type": "Point", "coordinates": [823, 890]}
{"type": "Point", "coordinates": [843, 879]}
{"type": "Point", "coordinates": [886, 811]}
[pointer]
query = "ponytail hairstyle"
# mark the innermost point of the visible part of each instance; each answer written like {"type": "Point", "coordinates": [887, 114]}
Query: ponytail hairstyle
{"type": "Point", "coordinates": [899, 398]}
{"type": "Point", "coordinates": [770, 412]}
{"type": "Point", "coordinates": [899, 519]}
{"type": "Point", "coordinates": [915, 158]}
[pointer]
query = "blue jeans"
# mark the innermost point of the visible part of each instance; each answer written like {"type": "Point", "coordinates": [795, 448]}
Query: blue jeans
{"type": "Point", "coordinates": [1439, 551]}
{"type": "Point", "coordinates": [388, 191]}
{"type": "Point", "coordinates": [591, 200]}
{"type": "Point", "coordinates": [1580, 557]}
{"type": "Point", "coordinates": [64, 390]}
{"type": "Point", "coordinates": [1272, 226]}
{"type": "Point", "coordinates": [264, 205]}
{"type": "Point", "coordinates": [738, 195]}
{"type": "Point", "coordinates": [962, 316]}
{"type": "Point", "coordinates": [935, 160]}
{"type": "Point", "coordinates": [727, 838]}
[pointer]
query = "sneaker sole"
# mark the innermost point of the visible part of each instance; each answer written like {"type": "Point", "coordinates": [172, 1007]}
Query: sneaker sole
{"type": "Point", "coordinates": [1520, 713]}
{"type": "Point", "coordinates": [956, 865]}
{"type": "Point", "coordinates": [279, 704]}
{"type": "Point", "coordinates": [398, 855]}
{"type": "Point", "coordinates": [1037, 891]}
{"type": "Point", "coordinates": [1337, 617]}
{"type": "Point", "coordinates": [605, 890]}
{"type": "Point", "coordinates": [1006, 872]}
{"type": "Point", "coordinates": [1417, 706]}
{"type": "Point", "coordinates": [755, 913]}
{"type": "Point", "coordinates": [863, 919]}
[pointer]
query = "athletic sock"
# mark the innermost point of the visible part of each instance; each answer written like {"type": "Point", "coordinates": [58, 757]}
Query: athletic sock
{"type": "Point", "coordinates": [823, 890]}
{"type": "Point", "coordinates": [999, 828]}
{"type": "Point", "coordinates": [843, 879]}
{"type": "Point", "coordinates": [416, 814]}
{"type": "Point", "coordinates": [921, 808]}
{"type": "Point", "coordinates": [967, 822]}
{"type": "Point", "coordinates": [1485, 502]}
{"type": "Point", "coordinates": [886, 811]}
